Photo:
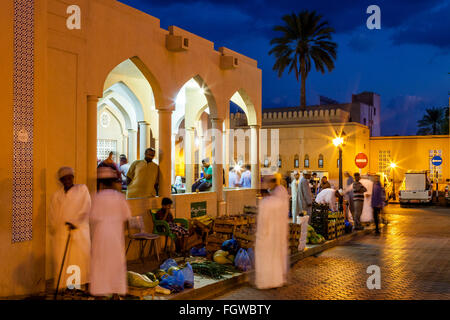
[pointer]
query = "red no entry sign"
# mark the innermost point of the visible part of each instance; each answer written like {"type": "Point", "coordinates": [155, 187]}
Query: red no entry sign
{"type": "Point", "coordinates": [361, 160]}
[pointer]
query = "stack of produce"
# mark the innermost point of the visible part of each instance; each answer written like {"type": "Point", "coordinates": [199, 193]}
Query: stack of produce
{"type": "Point", "coordinates": [320, 221]}
{"type": "Point", "coordinates": [212, 269]}
{"type": "Point", "coordinates": [223, 257]}
{"type": "Point", "coordinates": [340, 223]}
{"type": "Point", "coordinates": [145, 281]}
{"type": "Point", "coordinates": [294, 237]}
{"type": "Point", "coordinates": [313, 237]}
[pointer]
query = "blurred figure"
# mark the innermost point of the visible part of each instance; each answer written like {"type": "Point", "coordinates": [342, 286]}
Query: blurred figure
{"type": "Point", "coordinates": [313, 182]}
{"type": "Point", "coordinates": [143, 177]}
{"type": "Point", "coordinates": [367, 212]}
{"type": "Point", "coordinates": [377, 202]}
{"type": "Point", "coordinates": [69, 208]}
{"type": "Point", "coordinates": [324, 184]}
{"type": "Point", "coordinates": [233, 179]}
{"type": "Point", "coordinates": [108, 215]}
{"type": "Point", "coordinates": [294, 194]}
{"type": "Point", "coordinates": [348, 191]}
{"type": "Point", "coordinates": [109, 163]}
{"type": "Point", "coordinates": [358, 201]}
{"type": "Point", "coordinates": [124, 166]}
{"type": "Point", "coordinates": [271, 247]}
{"type": "Point", "coordinates": [328, 196]}
{"type": "Point", "coordinates": [246, 177]}
{"type": "Point", "coordinates": [305, 197]}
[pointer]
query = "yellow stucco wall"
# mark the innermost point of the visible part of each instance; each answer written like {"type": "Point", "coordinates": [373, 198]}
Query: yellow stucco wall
{"type": "Point", "coordinates": [410, 153]}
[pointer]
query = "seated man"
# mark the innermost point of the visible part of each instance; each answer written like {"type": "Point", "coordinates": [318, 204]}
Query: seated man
{"type": "Point", "coordinates": [206, 182]}
{"type": "Point", "coordinates": [328, 196]}
{"type": "Point", "coordinates": [165, 214]}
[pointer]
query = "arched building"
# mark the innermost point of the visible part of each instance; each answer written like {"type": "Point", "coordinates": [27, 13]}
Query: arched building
{"type": "Point", "coordinates": [118, 83]}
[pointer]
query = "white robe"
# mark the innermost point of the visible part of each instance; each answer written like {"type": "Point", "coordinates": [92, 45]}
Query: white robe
{"type": "Point", "coordinates": [109, 212]}
{"type": "Point", "coordinates": [271, 247]}
{"type": "Point", "coordinates": [72, 207]}
{"type": "Point", "coordinates": [367, 213]}
{"type": "Point", "coordinates": [294, 194]}
{"type": "Point", "coordinates": [327, 196]}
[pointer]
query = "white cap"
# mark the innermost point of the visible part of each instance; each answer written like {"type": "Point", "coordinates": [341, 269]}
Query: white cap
{"type": "Point", "coordinates": [305, 172]}
{"type": "Point", "coordinates": [296, 172]}
{"type": "Point", "coordinates": [341, 192]}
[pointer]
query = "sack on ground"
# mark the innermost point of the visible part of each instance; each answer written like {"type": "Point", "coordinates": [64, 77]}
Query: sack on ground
{"type": "Point", "coordinates": [188, 274]}
{"type": "Point", "coordinates": [242, 261]}
{"type": "Point", "coordinates": [167, 264]}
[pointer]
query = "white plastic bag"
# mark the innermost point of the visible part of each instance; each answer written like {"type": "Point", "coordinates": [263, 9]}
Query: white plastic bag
{"type": "Point", "coordinates": [303, 221]}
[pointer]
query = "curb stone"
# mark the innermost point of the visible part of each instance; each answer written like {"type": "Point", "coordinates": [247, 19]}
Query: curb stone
{"type": "Point", "coordinates": [219, 288]}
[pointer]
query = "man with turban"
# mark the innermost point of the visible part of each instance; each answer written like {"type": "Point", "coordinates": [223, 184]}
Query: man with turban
{"type": "Point", "coordinates": [69, 212]}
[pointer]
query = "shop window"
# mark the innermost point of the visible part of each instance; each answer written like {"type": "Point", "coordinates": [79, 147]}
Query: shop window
{"type": "Point", "coordinates": [306, 161]}
{"type": "Point", "coordinates": [296, 161]}
{"type": "Point", "coordinates": [320, 161]}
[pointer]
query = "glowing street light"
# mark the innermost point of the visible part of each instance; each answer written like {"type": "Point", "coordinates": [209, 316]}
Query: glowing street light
{"type": "Point", "coordinates": [393, 165]}
{"type": "Point", "coordinates": [338, 141]}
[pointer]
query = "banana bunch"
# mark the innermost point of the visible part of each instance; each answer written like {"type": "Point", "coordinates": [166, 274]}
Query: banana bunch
{"type": "Point", "coordinates": [206, 220]}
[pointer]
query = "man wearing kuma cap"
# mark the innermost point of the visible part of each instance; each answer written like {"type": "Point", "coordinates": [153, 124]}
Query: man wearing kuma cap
{"type": "Point", "coordinates": [69, 209]}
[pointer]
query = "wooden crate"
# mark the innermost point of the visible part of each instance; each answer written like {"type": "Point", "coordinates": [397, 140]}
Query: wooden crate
{"type": "Point", "coordinates": [223, 228]}
{"type": "Point", "coordinates": [142, 292]}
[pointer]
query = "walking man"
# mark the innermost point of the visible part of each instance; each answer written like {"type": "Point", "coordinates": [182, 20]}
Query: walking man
{"type": "Point", "coordinates": [143, 177]}
{"type": "Point", "coordinates": [109, 213]}
{"type": "Point", "coordinates": [349, 195]}
{"type": "Point", "coordinates": [305, 198]}
{"type": "Point", "coordinates": [377, 202]}
{"type": "Point", "coordinates": [358, 201]}
{"type": "Point", "coordinates": [69, 210]}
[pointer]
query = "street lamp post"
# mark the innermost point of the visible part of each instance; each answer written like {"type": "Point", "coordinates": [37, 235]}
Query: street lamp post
{"type": "Point", "coordinates": [393, 166]}
{"type": "Point", "coordinates": [338, 142]}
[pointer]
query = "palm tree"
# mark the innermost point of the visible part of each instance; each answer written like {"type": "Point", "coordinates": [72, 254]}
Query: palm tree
{"type": "Point", "coordinates": [445, 120]}
{"type": "Point", "coordinates": [431, 121]}
{"type": "Point", "coordinates": [305, 37]}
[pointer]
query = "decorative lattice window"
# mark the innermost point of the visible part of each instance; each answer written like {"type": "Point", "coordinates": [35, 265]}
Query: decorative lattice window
{"type": "Point", "coordinates": [384, 161]}
{"type": "Point", "coordinates": [104, 147]}
{"type": "Point", "coordinates": [306, 161]}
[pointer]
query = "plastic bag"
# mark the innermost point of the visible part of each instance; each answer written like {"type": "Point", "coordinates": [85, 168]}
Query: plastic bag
{"type": "Point", "coordinates": [188, 274]}
{"type": "Point", "coordinates": [198, 252]}
{"type": "Point", "coordinates": [242, 261]}
{"type": "Point", "coordinates": [231, 246]}
{"type": "Point", "coordinates": [174, 283]}
{"type": "Point", "coordinates": [167, 264]}
{"type": "Point", "coordinates": [303, 233]}
{"type": "Point", "coordinates": [251, 255]}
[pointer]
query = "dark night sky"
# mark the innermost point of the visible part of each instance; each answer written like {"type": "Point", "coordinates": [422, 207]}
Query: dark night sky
{"type": "Point", "coordinates": [407, 62]}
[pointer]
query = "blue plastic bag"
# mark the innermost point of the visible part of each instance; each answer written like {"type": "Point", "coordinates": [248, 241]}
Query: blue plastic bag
{"type": "Point", "coordinates": [174, 283]}
{"type": "Point", "coordinates": [231, 246]}
{"type": "Point", "coordinates": [167, 264]}
{"type": "Point", "coordinates": [198, 252]}
{"type": "Point", "coordinates": [188, 274]}
{"type": "Point", "coordinates": [242, 260]}
{"type": "Point", "coordinates": [251, 255]}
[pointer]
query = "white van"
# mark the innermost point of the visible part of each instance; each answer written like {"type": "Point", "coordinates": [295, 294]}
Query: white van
{"type": "Point", "coordinates": [416, 188]}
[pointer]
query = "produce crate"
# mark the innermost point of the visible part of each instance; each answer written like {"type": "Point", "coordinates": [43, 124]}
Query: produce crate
{"type": "Point", "coordinates": [250, 210]}
{"type": "Point", "coordinates": [295, 231]}
{"type": "Point", "coordinates": [218, 238]}
{"type": "Point", "coordinates": [246, 244]}
{"type": "Point", "coordinates": [223, 228]}
{"type": "Point", "coordinates": [213, 247]}
{"type": "Point", "coordinates": [194, 240]}
{"type": "Point", "coordinates": [141, 292]}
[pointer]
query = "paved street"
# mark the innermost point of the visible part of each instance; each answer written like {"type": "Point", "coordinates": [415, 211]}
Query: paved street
{"type": "Point", "coordinates": [413, 254]}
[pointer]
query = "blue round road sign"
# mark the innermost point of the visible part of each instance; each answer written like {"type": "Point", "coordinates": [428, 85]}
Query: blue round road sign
{"type": "Point", "coordinates": [436, 161]}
